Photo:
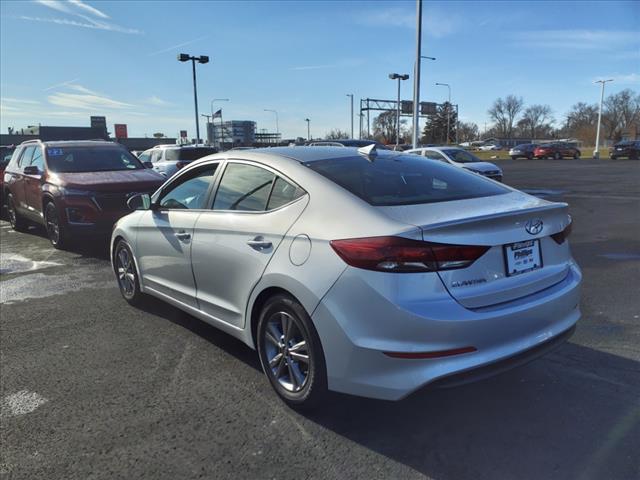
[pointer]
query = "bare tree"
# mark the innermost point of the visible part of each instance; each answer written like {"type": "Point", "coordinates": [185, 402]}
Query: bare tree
{"type": "Point", "coordinates": [581, 122]}
{"type": "Point", "coordinates": [504, 112]}
{"type": "Point", "coordinates": [468, 131]}
{"type": "Point", "coordinates": [536, 118]}
{"type": "Point", "coordinates": [384, 127]}
{"type": "Point", "coordinates": [620, 112]}
{"type": "Point", "coordinates": [336, 134]}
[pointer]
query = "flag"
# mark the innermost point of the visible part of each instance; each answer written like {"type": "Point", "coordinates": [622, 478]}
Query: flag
{"type": "Point", "coordinates": [218, 114]}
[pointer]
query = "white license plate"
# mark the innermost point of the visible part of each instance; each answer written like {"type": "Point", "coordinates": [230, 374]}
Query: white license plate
{"type": "Point", "coordinates": [522, 257]}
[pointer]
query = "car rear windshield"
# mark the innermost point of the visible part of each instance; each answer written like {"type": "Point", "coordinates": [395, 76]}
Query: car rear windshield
{"type": "Point", "coordinates": [404, 180]}
{"type": "Point", "coordinates": [90, 159]}
{"type": "Point", "coordinates": [188, 154]}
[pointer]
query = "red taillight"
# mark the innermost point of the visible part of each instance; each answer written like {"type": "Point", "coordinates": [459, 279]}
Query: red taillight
{"type": "Point", "coordinates": [436, 354]}
{"type": "Point", "coordinates": [179, 165]}
{"type": "Point", "coordinates": [404, 255]}
{"type": "Point", "coordinates": [560, 237]}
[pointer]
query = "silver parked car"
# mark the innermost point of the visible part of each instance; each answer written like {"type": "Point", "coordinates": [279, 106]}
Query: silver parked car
{"type": "Point", "coordinates": [370, 273]}
{"type": "Point", "coordinates": [168, 159]}
{"type": "Point", "coordinates": [459, 157]}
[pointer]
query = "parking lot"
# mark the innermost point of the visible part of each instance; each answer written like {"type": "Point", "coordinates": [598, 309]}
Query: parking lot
{"type": "Point", "coordinates": [94, 388]}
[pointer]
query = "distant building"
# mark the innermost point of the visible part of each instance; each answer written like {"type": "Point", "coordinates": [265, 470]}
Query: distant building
{"type": "Point", "coordinates": [232, 133]}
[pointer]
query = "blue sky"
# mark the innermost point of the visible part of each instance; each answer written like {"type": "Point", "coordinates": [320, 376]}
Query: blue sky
{"type": "Point", "coordinates": [62, 61]}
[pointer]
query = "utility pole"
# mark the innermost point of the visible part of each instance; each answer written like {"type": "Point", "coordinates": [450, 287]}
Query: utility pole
{"type": "Point", "coordinates": [351, 95]}
{"type": "Point", "coordinates": [308, 128]}
{"type": "Point", "coordinates": [416, 75]}
{"type": "Point", "coordinates": [183, 57]}
{"type": "Point", "coordinates": [596, 152]}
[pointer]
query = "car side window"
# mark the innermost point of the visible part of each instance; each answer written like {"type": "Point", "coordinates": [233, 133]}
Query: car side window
{"type": "Point", "coordinates": [243, 187]}
{"type": "Point", "coordinates": [156, 155]}
{"type": "Point", "coordinates": [191, 192]}
{"type": "Point", "coordinates": [37, 160]}
{"type": "Point", "coordinates": [144, 157]}
{"type": "Point", "coordinates": [433, 155]}
{"type": "Point", "coordinates": [25, 159]}
{"type": "Point", "coordinates": [282, 193]}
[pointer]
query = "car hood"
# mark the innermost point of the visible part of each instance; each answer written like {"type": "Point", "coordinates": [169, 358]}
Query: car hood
{"type": "Point", "coordinates": [116, 181]}
{"type": "Point", "coordinates": [480, 166]}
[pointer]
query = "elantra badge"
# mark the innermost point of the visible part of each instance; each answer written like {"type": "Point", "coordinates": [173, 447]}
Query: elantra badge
{"type": "Point", "coordinates": [534, 226]}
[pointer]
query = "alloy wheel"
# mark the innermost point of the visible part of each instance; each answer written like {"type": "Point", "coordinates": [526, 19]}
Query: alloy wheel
{"type": "Point", "coordinates": [287, 352]}
{"type": "Point", "coordinates": [11, 211]}
{"type": "Point", "coordinates": [126, 272]}
{"type": "Point", "coordinates": [52, 223]}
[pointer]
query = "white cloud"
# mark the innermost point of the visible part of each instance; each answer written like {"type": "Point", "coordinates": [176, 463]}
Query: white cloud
{"type": "Point", "coordinates": [88, 8]}
{"type": "Point", "coordinates": [623, 79]}
{"type": "Point", "coordinates": [67, 82]}
{"type": "Point", "coordinates": [20, 100]}
{"type": "Point", "coordinates": [81, 89]}
{"type": "Point", "coordinates": [85, 102]}
{"type": "Point", "coordinates": [174, 47]}
{"type": "Point", "coordinates": [90, 17]}
{"type": "Point", "coordinates": [157, 101]}
{"type": "Point", "coordinates": [435, 23]}
{"type": "Point", "coordinates": [576, 39]}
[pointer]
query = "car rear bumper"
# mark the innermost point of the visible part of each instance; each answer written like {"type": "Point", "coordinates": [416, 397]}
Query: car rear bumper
{"type": "Point", "coordinates": [360, 318]}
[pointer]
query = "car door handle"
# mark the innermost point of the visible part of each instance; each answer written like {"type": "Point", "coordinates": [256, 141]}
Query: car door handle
{"type": "Point", "coordinates": [182, 235]}
{"type": "Point", "coordinates": [259, 243]}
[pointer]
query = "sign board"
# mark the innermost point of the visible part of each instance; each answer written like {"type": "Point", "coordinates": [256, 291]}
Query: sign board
{"type": "Point", "coordinates": [99, 122]}
{"type": "Point", "coordinates": [406, 106]}
{"type": "Point", "coordinates": [428, 108]}
{"type": "Point", "coordinates": [121, 130]}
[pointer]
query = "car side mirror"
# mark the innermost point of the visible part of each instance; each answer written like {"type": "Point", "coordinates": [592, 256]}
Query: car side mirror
{"type": "Point", "coordinates": [147, 164]}
{"type": "Point", "coordinates": [31, 170]}
{"type": "Point", "coordinates": [140, 201]}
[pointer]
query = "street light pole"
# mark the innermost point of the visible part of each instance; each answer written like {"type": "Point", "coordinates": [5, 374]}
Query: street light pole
{"type": "Point", "coordinates": [308, 128]}
{"type": "Point", "coordinates": [399, 77]}
{"type": "Point", "coordinates": [351, 95]}
{"type": "Point", "coordinates": [448, 108]}
{"type": "Point", "coordinates": [276, 113]}
{"type": "Point", "coordinates": [183, 57]}
{"type": "Point", "coordinates": [416, 74]}
{"type": "Point", "coordinates": [596, 152]}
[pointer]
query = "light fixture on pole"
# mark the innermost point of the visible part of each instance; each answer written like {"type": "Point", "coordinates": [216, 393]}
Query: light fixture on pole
{"type": "Point", "coordinates": [184, 57]}
{"type": "Point", "coordinates": [596, 152]}
{"type": "Point", "coordinates": [276, 113]}
{"type": "Point", "coordinates": [308, 128]}
{"type": "Point", "coordinates": [399, 77]}
{"type": "Point", "coordinates": [448, 108]}
{"type": "Point", "coordinates": [351, 95]}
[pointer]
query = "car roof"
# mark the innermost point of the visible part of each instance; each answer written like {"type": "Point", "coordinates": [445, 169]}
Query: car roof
{"type": "Point", "coordinates": [313, 154]}
{"type": "Point", "coordinates": [68, 143]}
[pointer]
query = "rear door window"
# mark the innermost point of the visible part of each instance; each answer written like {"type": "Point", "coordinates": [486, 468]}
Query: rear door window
{"type": "Point", "coordinates": [387, 180]}
{"type": "Point", "coordinates": [244, 187]}
{"type": "Point", "coordinates": [282, 193]}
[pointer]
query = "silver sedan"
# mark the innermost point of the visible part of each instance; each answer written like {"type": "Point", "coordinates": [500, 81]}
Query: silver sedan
{"type": "Point", "coordinates": [370, 273]}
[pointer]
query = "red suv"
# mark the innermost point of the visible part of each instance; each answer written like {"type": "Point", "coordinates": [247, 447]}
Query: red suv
{"type": "Point", "coordinates": [73, 187]}
{"type": "Point", "coordinates": [556, 150]}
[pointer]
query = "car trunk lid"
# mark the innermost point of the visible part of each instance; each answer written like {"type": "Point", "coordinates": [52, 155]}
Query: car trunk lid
{"type": "Point", "coordinates": [495, 221]}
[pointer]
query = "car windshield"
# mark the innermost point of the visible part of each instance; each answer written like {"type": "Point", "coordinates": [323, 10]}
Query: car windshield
{"type": "Point", "coordinates": [404, 180]}
{"type": "Point", "coordinates": [188, 154]}
{"type": "Point", "coordinates": [90, 159]}
{"type": "Point", "coordinates": [460, 156]}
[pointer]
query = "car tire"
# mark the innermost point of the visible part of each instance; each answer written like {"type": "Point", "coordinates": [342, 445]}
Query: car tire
{"type": "Point", "coordinates": [513, 157]}
{"type": "Point", "coordinates": [557, 156]}
{"type": "Point", "coordinates": [18, 223]}
{"type": "Point", "coordinates": [126, 273]}
{"type": "Point", "coordinates": [529, 157]}
{"type": "Point", "coordinates": [57, 231]}
{"type": "Point", "coordinates": [285, 337]}
{"type": "Point", "coordinates": [576, 156]}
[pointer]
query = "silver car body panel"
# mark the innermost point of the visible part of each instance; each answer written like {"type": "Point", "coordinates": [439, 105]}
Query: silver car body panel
{"type": "Point", "coordinates": [359, 314]}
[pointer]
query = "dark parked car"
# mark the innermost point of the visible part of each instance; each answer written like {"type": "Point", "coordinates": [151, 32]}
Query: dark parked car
{"type": "Point", "coordinates": [556, 150]}
{"type": "Point", "coordinates": [73, 187]}
{"type": "Point", "coordinates": [524, 150]}
{"type": "Point", "coordinates": [629, 149]}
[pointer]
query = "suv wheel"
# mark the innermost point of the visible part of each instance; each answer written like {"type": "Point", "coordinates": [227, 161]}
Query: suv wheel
{"type": "Point", "coordinates": [18, 223]}
{"type": "Point", "coordinates": [576, 155]}
{"type": "Point", "coordinates": [557, 156]}
{"type": "Point", "coordinates": [290, 353]}
{"type": "Point", "coordinates": [56, 229]}
{"type": "Point", "coordinates": [126, 273]}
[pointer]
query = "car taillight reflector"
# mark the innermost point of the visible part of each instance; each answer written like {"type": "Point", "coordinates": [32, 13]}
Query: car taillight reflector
{"type": "Point", "coordinates": [436, 354]}
{"type": "Point", "coordinates": [404, 255]}
{"type": "Point", "coordinates": [560, 237]}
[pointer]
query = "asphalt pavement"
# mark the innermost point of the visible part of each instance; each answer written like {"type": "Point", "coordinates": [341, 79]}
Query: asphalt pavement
{"type": "Point", "coordinates": [93, 388]}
